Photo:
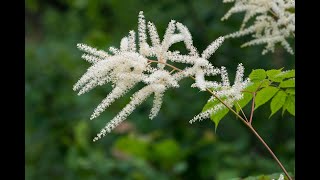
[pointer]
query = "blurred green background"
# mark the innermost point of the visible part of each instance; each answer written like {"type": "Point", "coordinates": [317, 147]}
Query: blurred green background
{"type": "Point", "coordinates": [58, 132]}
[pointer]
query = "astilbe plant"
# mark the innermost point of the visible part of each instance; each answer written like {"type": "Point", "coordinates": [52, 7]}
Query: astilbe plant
{"type": "Point", "coordinates": [129, 65]}
{"type": "Point", "coordinates": [151, 64]}
{"type": "Point", "coordinates": [274, 22]}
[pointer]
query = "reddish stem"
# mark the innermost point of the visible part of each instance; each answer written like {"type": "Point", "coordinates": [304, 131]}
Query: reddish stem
{"type": "Point", "coordinates": [252, 107]}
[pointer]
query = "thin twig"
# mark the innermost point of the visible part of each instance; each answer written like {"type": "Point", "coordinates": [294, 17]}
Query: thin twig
{"type": "Point", "coordinates": [252, 107]}
{"type": "Point", "coordinates": [172, 71]}
{"type": "Point", "coordinates": [242, 112]}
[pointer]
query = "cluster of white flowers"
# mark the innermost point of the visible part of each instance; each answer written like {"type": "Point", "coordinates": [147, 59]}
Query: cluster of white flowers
{"type": "Point", "coordinates": [127, 66]}
{"type": "Point", "coordinates": [223, 90]}
{"type": "Point", "coordinates": [274, 22]}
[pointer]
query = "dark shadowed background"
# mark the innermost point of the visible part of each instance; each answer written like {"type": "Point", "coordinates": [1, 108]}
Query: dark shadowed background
{"type": "Point", "coordinates": [58, 132]}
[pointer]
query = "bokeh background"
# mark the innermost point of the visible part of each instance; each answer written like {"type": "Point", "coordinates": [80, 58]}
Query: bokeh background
{"type": "Point", "coordinates": [58, 132]}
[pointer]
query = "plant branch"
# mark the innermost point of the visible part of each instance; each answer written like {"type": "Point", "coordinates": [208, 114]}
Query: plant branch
{"type": "Point", "coordinates": [248, 124]}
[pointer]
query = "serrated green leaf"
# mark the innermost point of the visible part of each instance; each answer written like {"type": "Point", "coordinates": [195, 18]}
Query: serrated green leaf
{"type": "Point", "coordinates": [273, 75]}
{"type": "Point", "coordinates": [289, 105]}
{"type": "Point", "coordinates": [277, 102]}
{"type": "Point", "coordinates": [265, 95]}
{"type": "Point", "coordinates": [287, 74]}
{"type": "Point", "coordinates": [291, 91]}
{"type": "Point", "coordinates": [287, 83]}
{"type": "Point", "coordinates": [217, 116]}
{"type": "Point", "coordinates": [257, 75]}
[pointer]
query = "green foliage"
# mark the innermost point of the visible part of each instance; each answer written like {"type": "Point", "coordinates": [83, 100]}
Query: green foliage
{"type": "Point", "coordinates": [271, 85]}
{"type": "Point", "coordinates": [287, 83]}
{"type": "Point", "coordinates": [278, 101]}
{"type": "Point", "coordinates": [289, 105]}
{"type": "Point", "coordinates": [247, 97]}
{"type": "Point", "coordinates": [210, 104]}
{"type": "Point", "coordinates": [217, 116]}
{"type": "Point", "coordinates": [264, 95]}
{"type": "Point", "coordinates": [291, 91]}
{"type": "Point", "coordinates": [278, 86]}
{"type": "Point", "coordinates": [287, 74]}
{"type": "Point", "coordinates": [257, 75]}
{"type": "Point", "coordinates": [273, 75]}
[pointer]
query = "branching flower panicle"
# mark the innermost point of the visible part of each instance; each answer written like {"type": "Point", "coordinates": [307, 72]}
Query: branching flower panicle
{"type": "Point", "coordinates": [128, 65]}
{"type": "Point", "coordinates": [274, 22]}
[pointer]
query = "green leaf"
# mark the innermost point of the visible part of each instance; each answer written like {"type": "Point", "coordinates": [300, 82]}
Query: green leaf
{"type": "Point", "coordinates": [287, 83]}
{"type": "Point", "coordinates": [289, 105]}
{"type": "Point", "coordinates": [210, 104]}
{"type": "Point", "coordinates": [265, 95]}
{"type": "Point", "coordinates": [287, 74]}
{"type": "Point", "coordinates": [264, 83]}
{"type": "Point", "coordinates": [253, 86]}
{"type": "Point", "coordinates": [244, 101]}
{"type": "Point", "coordinates": [273, 75]}
{"type": "Point", "coordinates": [291, 91]}
{"type": "Point", "coordinates": [277, 102]}
{"type": "Point", "coordinates": [217, 116]}
{"type": "Point", "coordinates": [257, 75]}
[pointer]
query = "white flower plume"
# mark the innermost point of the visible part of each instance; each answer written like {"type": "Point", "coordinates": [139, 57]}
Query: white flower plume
{"type": "Point", "coordinates": [128, 65]}
{"type": "Point", "coordinates": [274, 22]}
{"type": "Point", "coordinates": [223, 90]}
